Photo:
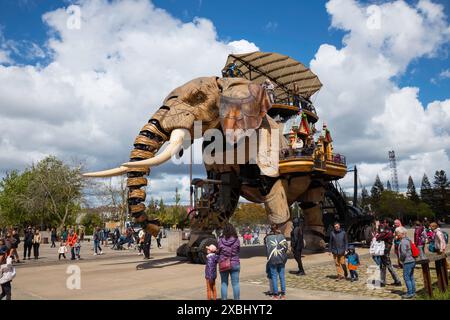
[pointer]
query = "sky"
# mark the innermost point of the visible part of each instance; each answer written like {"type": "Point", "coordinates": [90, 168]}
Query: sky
{"type": "Point", "coordinates": [83, 91]}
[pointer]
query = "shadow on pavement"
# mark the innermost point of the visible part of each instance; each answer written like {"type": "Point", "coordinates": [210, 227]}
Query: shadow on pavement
{"type": "Point", "coordinates": [161, 263]}
{"type": "Point", "coordinates": [252, 251]}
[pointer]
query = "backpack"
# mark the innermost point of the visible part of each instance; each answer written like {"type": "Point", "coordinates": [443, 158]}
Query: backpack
{"type": "Point", "coordinates": [414, 250]}
{"type": "Point", "coordinates": [445, 236]}
{"type": "Point", "coordinates": [431, 247]}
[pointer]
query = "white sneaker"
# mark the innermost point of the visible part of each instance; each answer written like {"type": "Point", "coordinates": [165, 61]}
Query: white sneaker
{"type": "Point", "coordinates": [101, 252]}
{"type": "Point", "coordinates": [95, 254]}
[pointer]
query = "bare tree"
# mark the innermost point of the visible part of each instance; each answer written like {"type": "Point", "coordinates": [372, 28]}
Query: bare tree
{"type": "Point", "coordinates": [114, 196]}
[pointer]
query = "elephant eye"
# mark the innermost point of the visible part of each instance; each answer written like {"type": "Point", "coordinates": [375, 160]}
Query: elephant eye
{"type": "Point", "coordinates": [195, 98]}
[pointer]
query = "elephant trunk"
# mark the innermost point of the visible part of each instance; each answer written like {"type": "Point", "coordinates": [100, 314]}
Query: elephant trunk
{"type": "Point", "coordinates": [150, 139]}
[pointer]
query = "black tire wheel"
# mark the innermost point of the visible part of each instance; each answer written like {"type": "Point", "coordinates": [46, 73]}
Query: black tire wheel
{"type": "Point", "coordinates": [183, 250]}
{"type": "Point", "coordinates": [192, 257]}
{"type": "Point", "coordinates": [201, 250]}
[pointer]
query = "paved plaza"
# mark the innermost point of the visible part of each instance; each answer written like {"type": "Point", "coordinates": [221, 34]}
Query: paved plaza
{"type": "Point", "coordinates": [125, 275]}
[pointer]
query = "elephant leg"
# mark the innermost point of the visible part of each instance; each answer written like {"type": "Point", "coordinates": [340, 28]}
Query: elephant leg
{"type": "Point", "coordinates": [314, 231]}
{"type": "Point", "coordinates": [277, 207]}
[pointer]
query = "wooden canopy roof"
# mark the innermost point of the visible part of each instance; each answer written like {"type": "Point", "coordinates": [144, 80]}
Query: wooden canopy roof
{"type": "Point", "coordinates": [282, 70]}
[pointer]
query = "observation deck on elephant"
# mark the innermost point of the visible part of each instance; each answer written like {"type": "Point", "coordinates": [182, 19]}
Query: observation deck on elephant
{"type": "Point", "coordinates": [290, 86]}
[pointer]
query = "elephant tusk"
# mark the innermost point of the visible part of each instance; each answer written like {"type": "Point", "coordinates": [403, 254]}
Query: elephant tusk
{"type": "Point", "coordinates": [175, 143]}
{"type": "Point", "coordinates": [107, 173]}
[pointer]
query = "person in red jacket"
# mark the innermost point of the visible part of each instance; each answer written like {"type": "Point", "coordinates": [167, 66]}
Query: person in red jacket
{"type": "Point", "coordinates": [71, 241]}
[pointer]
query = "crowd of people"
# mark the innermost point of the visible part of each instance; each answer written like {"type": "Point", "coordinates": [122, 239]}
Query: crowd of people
{"type": "Point", "coordinates": [428, 237]}
{"type": "Point", "coordinates": [251, 235]}
{"type": "Point", "coordinates": [224, 259]}
{"type": "Point", "coordinates": [70, 241]}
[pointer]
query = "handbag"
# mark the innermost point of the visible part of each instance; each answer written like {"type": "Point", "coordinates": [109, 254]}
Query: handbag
{"type": "Point", "coordinates": [377, 248]}
{"type": "Point", "coordinates": [225, 265]}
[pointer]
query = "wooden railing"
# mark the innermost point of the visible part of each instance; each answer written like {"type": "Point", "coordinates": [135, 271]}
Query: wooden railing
{"type": "Point", "coordinates": [441, 265]}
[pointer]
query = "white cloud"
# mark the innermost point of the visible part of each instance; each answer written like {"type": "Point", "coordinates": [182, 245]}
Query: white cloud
{"type": "Point", "coordinates": [368, 112]}
{"type": "Point", "coordinates": [106, 79]}
{"type": "Point", "coordinates": [4, 57]}
{"type": "Point", "coordinates": [445, 74]}
{"type": "Point", "coordinates": [103, 82]}
{"type": "Point", "coordinates": [271, 26]}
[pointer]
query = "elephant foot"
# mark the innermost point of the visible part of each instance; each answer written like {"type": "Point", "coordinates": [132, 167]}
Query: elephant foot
{"type": "Point", "coordinates": [314, 238]}
{"type": "Point", "coordinates": [286, 228]}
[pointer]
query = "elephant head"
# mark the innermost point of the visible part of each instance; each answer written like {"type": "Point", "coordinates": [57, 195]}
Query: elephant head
{"type": "Point", "coordinates": [229, 103]}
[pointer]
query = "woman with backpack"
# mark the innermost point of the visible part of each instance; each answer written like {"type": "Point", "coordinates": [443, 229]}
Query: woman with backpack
{"type": "Point", "coordinates": [229, 263]}
{"type": "Point", "coordinates": [276, 250]}
{"type": "Point", "coordinates": [440, 239]}
{"type": "Point", "coordinates": [406, 257]}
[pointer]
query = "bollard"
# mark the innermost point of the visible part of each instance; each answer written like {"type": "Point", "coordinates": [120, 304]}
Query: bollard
{"type": "Point", "coordinates": [174, 240]}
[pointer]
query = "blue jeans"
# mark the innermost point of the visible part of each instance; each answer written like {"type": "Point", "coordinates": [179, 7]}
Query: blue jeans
{"type": "Point", "coordinates": [234, 274]}
{"type": "Point", "coordinates": [97, 246]}
{"type": "Point", "coordinates": [278, 271]}
{"type": "Point", "coordinates": [408, 276]}
{"type": "Point", "coordinates": [377, 260]}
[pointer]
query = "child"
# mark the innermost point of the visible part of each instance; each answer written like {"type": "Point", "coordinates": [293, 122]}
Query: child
{"type": "Point", "coordinates": [7, 273]}
{"type": "Point", "coordinates": [78, 249]}
{"type": "Point", "coordinates": [62, 250]}
{"type": "Point", "coordinates": [211, 271]}
{"type": "Point", "coordinates": [353, 262]}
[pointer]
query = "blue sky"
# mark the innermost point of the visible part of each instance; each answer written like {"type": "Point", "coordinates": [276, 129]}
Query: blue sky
{"type": "Point", "coordinates": [292, 27]}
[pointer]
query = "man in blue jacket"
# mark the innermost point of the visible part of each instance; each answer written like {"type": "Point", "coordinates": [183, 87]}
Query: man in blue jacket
{"type": "Point", "coordinates": [338, 246]}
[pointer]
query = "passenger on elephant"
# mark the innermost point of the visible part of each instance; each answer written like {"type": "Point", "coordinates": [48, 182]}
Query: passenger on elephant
{"type": "Point", "coordinates": [269, 87]}
{"type": "Point", "coordinates": [296, 95]}
{"type": "Point", "coordinates": [297, 245]}
{"type": "Point", "coordinates": [338, 247]}
{"type": "Point", "coordinates": [385, 234]}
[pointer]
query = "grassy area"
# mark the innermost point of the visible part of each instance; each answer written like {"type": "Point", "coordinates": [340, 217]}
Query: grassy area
{"type": "Point", "coordinates": [437, 294]}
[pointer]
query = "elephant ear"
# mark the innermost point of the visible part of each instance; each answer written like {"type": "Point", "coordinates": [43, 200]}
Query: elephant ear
{"type": "Point", "coordinates": [243, 105]}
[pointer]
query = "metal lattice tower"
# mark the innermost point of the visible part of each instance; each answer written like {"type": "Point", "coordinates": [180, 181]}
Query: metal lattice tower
{"type": "Point", "coordinates": [393, 166]}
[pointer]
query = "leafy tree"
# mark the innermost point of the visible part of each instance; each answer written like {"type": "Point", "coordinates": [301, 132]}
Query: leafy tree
{"type": "Point", "coordinates": [365, 199]}
{"type": "Point", "coordinates": [441, 194]}
{"type": "Point", "coordinates": [152, 208]}
{"type": "Point", "coordinates": [90, 221]}
{"type": "Point", "coordinates": [396, 205]}
{"type": "Point", "coordinates": [249, 214]}
{"type": "Point", "coordinates": [12, 190]}
{"type": "Point", "coordinates": [388, 186]}
{"type": "Point", "coordinates": [423, 210]}
{"type": "Point", "coordinates": [411, 191]}
{"type": "Point", "coordinates": [426, 191]}
{"type": "Point", "coordinates": [376, 191]}
{"type": "Point", "coordinates": [54, 190]}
